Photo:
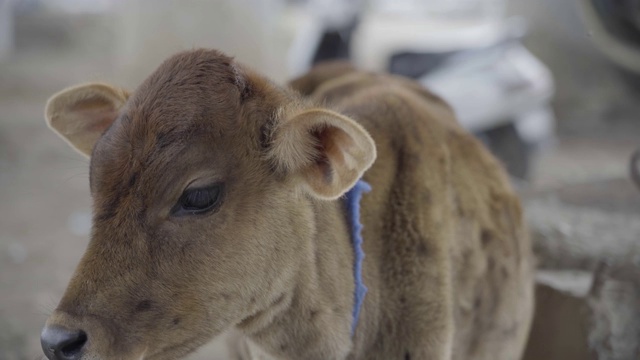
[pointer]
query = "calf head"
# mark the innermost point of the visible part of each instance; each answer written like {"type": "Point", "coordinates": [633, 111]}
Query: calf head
{"type": "Point", "coordinates": [202, 181]}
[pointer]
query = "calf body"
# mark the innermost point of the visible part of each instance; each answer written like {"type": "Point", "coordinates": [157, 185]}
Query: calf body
{"type": "Point", "coordinates": [217, 206]}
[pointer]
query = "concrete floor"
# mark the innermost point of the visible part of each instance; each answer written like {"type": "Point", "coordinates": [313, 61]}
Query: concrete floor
{"type": "Point", "coordinates": [44, 197]}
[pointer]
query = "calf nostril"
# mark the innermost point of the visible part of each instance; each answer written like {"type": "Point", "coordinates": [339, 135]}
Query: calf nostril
{"type": "Point", "coordinates": [72, 350]}
{"type": "Point", "coordinates": [62, 344]}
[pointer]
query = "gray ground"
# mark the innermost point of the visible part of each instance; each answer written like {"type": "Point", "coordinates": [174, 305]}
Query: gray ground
{"type": "Point", "coordinates": [579, 203]}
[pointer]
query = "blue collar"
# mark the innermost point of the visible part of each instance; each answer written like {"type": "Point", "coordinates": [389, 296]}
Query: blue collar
{"type": "Point", "coordinates": [352, 201]}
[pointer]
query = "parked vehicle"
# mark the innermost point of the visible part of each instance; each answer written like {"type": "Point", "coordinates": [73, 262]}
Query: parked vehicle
{"type": "Point", "coordinates": [634, 168]}
{"type": "Point", "coordinates": [614, 28]}
{"type": "Point", "coordinates": [466, 52]}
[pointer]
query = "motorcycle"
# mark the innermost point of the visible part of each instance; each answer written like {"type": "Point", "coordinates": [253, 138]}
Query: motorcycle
{"type": "Point", "coordinates": [614, 27]}
{"type": "Point", "coordinates": [467, 54]}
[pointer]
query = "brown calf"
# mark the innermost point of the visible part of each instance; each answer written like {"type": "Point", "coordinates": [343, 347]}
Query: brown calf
{"type": "Point", "coordinates": [217, 205]}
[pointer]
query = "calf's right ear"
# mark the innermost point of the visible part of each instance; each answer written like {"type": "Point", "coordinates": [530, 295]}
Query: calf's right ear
{"type": "Point", "coordinates": [81, 114]}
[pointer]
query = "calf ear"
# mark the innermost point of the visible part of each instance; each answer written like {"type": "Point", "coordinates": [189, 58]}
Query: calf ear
{"type": "Point", "coordinates": [329, 152]}
{"type": "Point", "coordinates": [81, 114]}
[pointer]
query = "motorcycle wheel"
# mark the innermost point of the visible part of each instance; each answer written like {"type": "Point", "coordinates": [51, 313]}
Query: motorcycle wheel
{"type": "Point", "coordinates": [634, 168]}
{"type": "Point", "coordinates": [507, 145]}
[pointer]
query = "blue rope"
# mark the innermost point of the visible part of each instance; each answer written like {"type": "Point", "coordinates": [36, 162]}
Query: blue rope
{"type": "Point", "coordinates": [352, 200]}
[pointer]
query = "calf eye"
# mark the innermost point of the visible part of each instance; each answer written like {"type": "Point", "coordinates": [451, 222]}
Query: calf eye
{"type": "Point", "coordinates": [198, 201]}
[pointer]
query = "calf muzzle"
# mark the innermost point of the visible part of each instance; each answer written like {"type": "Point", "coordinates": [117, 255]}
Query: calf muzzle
{"type": "Point", "coordinates": [59, 343]}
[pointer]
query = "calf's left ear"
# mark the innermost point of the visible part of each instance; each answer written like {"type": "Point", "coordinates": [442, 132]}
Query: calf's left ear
{"type": "Point", "coordinates": [327, 151]}
{"type": "Point", "coordinates": [82, 113]}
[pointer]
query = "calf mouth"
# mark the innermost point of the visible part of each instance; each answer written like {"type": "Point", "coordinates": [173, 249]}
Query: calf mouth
{"type": "Point", "coordinates": [75, 345]}
{"type": "Point", "coordinates": [175, 351]}
{"type": "Point", "coordinates": [68, 337]}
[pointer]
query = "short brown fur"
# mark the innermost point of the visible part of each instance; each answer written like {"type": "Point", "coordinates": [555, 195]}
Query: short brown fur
{"type": "Point", "coordinates": [448, 262]}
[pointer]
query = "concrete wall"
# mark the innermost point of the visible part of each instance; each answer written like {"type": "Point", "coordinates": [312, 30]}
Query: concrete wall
{"type": "Point", "coordinates": [148, 31]}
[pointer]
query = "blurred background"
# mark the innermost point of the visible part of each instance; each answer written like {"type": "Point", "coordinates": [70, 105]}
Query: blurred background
{"type": "Point", "coordinates": [551, 86]}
